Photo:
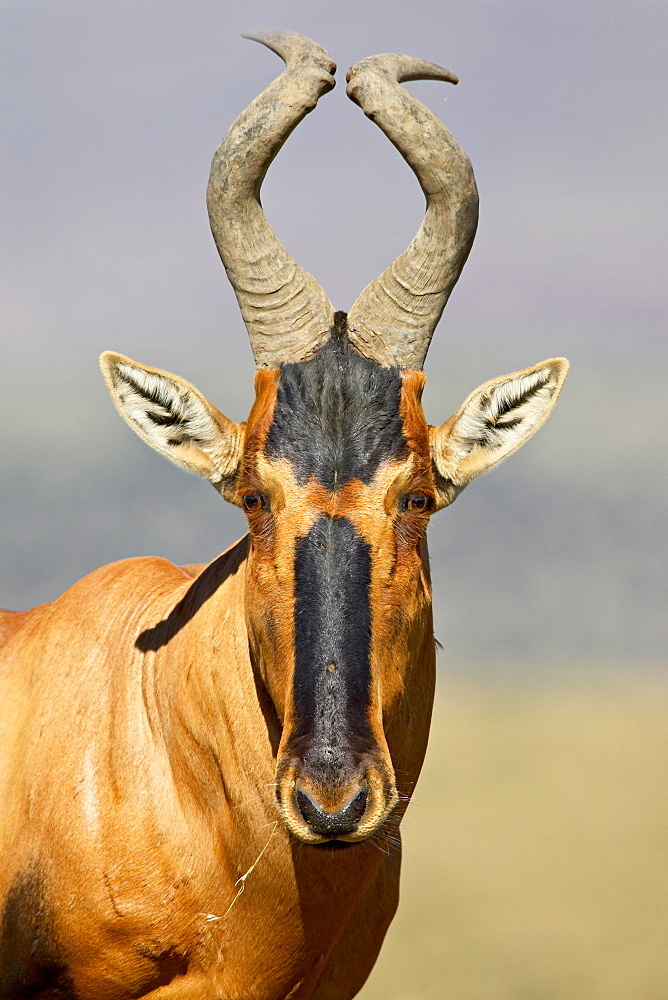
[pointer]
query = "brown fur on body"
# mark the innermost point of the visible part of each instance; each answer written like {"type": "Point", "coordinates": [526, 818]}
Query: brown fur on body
{"type": "Point", "coordinates": [149, 719]}
{"type": "Point", "coordinates": [142, 787]}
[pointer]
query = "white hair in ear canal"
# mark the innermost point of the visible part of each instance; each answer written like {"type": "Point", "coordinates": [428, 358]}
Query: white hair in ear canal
{"type": "Point", "coordinates": [503, 409]}
{"type": "Point", "coordinates": [495, 420]}
{"type": "Point", "coordinates": [174, 418]}
{"type": "Point", "coordinates": [165, 411]}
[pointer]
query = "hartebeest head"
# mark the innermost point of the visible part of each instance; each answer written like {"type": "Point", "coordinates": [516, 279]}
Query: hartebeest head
{"type": "Point", "coordinates": [336, 468]}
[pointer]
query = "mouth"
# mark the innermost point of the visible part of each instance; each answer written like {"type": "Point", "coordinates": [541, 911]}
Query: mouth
{"type": "Point", "coordinates": [336, 845]}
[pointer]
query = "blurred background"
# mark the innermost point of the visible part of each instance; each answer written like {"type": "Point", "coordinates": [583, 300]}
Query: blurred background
{"type": "Point", "coordinates": [535, 851]}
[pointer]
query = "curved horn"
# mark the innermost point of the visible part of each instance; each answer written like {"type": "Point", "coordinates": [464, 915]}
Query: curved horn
{"type": "Point", "coordinates": [286, 312]}
{"type": "Point", "coordinates": [393, 319]}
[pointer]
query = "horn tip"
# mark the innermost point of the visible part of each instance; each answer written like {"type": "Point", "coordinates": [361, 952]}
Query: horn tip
{"type": "Point", "coordinates": [289, 45]}
{"type": "Point", "coordinates": [273, 38]}
{"type": "Point", "coordinates": [265, 36]}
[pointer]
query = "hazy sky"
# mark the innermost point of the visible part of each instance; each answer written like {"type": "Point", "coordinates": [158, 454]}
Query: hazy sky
{"type": "Point", "coordinates": [112, 110]}
{"type": "Point", "coordinates": [110, 114]}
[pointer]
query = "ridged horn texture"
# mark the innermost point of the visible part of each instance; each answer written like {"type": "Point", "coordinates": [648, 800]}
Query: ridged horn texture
{"type": "Point", "coordinates": [286, 312]}
{"type": "Point", "coordinates": [393, 319]}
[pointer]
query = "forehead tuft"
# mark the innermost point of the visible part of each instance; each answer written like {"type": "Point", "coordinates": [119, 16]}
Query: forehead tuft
{"type": "Point", "coordinates": [337, 416]}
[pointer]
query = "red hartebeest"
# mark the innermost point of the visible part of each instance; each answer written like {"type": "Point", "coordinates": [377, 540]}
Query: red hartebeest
{"type": "Point", "coordinates": [199, 765]}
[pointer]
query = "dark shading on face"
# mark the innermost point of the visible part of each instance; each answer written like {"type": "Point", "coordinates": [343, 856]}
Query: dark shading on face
{"type": "Point", "coordinates": [332, 645]}
{"type": "Point", "coordinates": [337, 416]}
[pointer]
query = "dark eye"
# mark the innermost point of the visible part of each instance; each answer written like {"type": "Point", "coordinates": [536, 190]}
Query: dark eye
{"type": "Point", "coordinates": [254, 501]}
{"type": "Point", "coordinates": [415, 503]}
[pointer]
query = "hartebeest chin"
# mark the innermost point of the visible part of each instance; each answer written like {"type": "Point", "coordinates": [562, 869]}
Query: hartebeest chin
{"type": "Point", "coordinates": [153, 717]}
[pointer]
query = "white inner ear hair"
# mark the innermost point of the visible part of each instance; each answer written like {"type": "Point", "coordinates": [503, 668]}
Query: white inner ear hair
{"type": "Point", "coordinates": [506, 410]}
{"type": "Point", "coordinates": [167, 413]}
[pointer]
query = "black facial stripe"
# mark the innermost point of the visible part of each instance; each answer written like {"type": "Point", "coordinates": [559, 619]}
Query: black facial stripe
{"type": "Point", "coordinates": [337, 416]}
{"type": "Point", "coordinates": [332, 642]}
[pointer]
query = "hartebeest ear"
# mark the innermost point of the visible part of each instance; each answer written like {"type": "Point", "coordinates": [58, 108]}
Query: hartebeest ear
{"type": "Point", "coordinates": [494, 422]}
{"type": "Point", "coordinates": [176, 420]}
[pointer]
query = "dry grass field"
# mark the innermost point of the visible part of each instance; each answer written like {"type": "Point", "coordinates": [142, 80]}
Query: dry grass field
{"type": "Point", "coordinates": [536, 847]}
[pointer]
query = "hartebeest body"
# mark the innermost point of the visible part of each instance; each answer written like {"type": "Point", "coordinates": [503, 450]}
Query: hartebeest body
{"type": "Point", "coordinates": [203, 769]}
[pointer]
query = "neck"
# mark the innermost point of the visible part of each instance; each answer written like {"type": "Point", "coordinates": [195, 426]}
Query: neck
{"type": "Point", "coordinates": [205, 697]}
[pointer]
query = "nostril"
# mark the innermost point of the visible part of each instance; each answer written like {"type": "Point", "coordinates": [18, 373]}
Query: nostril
{"type": "Point", "coordinates": [308, 808]}
{"type": "Point", "coordinates": [357, 807]}
{"type": "Point", "coordinates": [323, 822]}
